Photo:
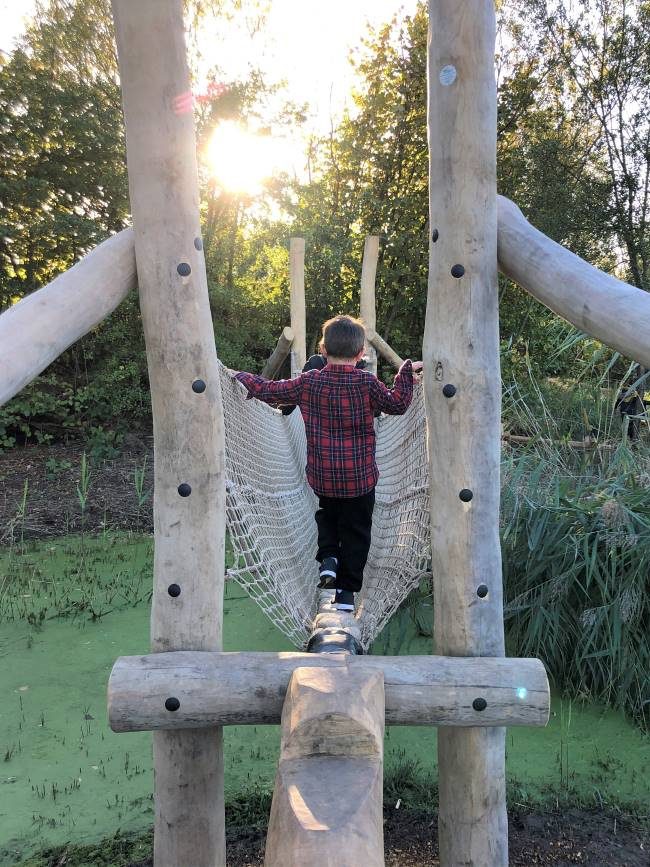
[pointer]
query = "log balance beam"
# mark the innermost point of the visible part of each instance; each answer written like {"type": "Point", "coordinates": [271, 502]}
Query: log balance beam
{"type": "Point", "coordinates": [191, 689]}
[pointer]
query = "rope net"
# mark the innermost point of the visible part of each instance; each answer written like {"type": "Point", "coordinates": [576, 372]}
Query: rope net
{"type": "Point", "coordinates": [270, 513]}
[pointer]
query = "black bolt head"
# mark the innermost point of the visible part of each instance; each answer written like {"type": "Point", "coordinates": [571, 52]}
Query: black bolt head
{"type": "Point", "coordinates": [173, 703]}
{"type": "Point", "coordinates": [449, 390]}
{"type": "Point", "coordinates": [198, 386]}
{"type": "Point", "coordinates": [198, 243]}
{"type": "Point", "coordinates": [457, 271]}
{"type": "Point", "coordinates": [184, 269]}
{"type": "Point", "coordinates": [184, 490]}
{"type": "Point", "coordinates": [482, 591]}
{"type": "Point", "coordinates": [479, 704]}
{"type": "Point", "coordinates": [435, 235]}
{"type": "Point", "coordinates": [466, 495]}
{"type": "Point", "coordinates": [174, 590]}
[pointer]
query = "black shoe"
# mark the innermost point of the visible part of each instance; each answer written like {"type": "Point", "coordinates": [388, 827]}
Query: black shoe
{"type": "Point", "coordinates": [328, 569]}
{"type": "Point", "coordinates": [344, 600]}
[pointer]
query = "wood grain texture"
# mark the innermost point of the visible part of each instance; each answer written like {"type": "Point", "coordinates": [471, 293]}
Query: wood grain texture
{"type": "Point", "coordinates": [597, 303]}
{"type": "Point", "coordinates": [277, 357]}
{"type": "Point", "coordinates": [41, 326]}
{"type": "Point", "coordinates": [249, 688]}
{"type": "Point", "coordinates": [189, 522]}
{"type": "Point", "coordinates": [297, 299]}
{"type": "Point", "coordinates": [327, 808]}
{"type": "Point", "coordinates": [367, 301]}
{"type": "Point", "coordinates": [461, 348]}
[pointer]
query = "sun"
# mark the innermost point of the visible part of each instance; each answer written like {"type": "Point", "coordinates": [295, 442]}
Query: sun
{"type": "Point", "coordinates": [239, 160]}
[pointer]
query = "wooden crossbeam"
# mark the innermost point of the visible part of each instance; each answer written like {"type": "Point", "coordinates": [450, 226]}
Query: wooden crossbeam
{"type": "Point", "coordinates": [214, 689]}
{"type": "Point", "coordinates": [39, 328]}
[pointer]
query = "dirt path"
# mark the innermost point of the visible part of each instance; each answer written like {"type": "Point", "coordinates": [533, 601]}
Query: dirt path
{"type": "Point", "coordinates": [52, 475]}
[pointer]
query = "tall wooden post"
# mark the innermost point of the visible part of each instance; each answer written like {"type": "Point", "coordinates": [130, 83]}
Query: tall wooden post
{"type": "Point", "coordinates": [463, 391]}
{"type": "Point", "coordinates": [367, 296]}
{"type": "Point", "coordinates": [189, 489]}
{"type": "Point", "coordinates": [298, 315]}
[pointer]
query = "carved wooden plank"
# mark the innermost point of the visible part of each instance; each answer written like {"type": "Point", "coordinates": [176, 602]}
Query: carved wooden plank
{"type": "Point", "coordinates": [189, 485]}
{"type": "Point", "coordinates": [249, 688]}
{"type": "Point", "coordinates": [327, 800]}
{"type": "Point", "coordinates": [41, 326]}
{"type": "Point", "coordinates": [461, 351]}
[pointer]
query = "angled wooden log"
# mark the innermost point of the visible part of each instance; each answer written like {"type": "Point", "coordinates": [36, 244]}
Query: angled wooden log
{"type": "Point", "coordinates": [597, 303]}
{"type": "Point", "coordinates": [297, 298]}
{"type": "Point", "coordinates": [384, 349]}
{"type": "Point", "coordinates": [367, 302]}
{"type": "Point", "coordinates": [277, 357]}
{"type": "Point", "coordinates": [41, 326]}
{"type": "Point", "coordinates": [189, 482]}
{"type": "Point", "coordinates": [463, 396]}
{"type": "Point", "coordinates": [249, 688]}
{"type": "Point", "coordinates": [327, 801]}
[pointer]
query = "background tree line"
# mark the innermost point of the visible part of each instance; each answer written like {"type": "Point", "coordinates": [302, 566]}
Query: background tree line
{"type": "Point", "coordinates": [573, 151]}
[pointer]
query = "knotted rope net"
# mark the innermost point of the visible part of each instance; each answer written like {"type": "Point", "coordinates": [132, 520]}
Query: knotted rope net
{"type": "Point", "coordinates": [270, 513]}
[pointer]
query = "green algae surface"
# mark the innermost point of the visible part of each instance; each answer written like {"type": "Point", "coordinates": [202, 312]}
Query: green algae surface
{"type": "Point", "coordinates": [70, 607]}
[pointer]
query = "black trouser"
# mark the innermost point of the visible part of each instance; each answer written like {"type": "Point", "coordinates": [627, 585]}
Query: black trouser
{"type": "Point", "coordinates": [344, 528]}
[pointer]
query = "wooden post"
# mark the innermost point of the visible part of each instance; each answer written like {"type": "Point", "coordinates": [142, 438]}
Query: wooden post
{"type": "Point", "coordinates": [463, 391]}
{"type": "Point", "coordinates": [189, 484]}
{"type": "Point", "coordinates": [327, 800]}
{"type": "Point", "coordinates": [40, 327]}
{"type": "Point", "coordinates": [298, 315]}
{"type": "Point", "coordinates": [282, 349]}
{"type": "Point", "coordinates": [367, 297]}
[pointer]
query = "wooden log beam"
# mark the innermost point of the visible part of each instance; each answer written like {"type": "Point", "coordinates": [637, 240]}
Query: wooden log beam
{"type": "Point", "coordinates": [277, 357]}
{"type": "Point", "coordinates": [334, 631]}
{"type": "Point", "coordinates": [384, 349]}
{"type": "Point", "coordinates": [41, 326]}
{"type": "Point", "coordinates": [248, 689]}
{"type": "Point", "coordinates": [297, 298]}
{"type": "Point", "coordinates": [327, 808]}
{"type": "Point", "coordinates": [613, 312]}
{"type": "Point", "coordinates": [367, 302]}
{"type": "Point", "coordinates": [461, 352]}
{"type": "Point", "coordinates": [189, 481]}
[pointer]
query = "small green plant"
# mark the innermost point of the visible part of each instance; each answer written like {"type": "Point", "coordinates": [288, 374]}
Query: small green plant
{"type": "Point", "coordinates": [143, 495]}
{"type": "Point", "coordinates": [104, 445]}
{"type": "Point", "coordinates": [53, 467]}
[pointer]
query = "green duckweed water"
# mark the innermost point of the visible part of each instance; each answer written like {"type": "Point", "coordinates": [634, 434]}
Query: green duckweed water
{"type": "Point", "coordinates": [65, 777]}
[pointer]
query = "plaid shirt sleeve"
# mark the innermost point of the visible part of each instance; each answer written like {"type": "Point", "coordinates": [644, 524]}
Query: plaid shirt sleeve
{"type": "Point", "coordinates": [395, 400]}
{"type": "Point", "coordinates": [283, 391]}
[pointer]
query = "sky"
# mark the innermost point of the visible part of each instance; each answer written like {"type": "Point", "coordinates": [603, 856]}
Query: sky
{"type": "Point", "coordinates": [306, 42]}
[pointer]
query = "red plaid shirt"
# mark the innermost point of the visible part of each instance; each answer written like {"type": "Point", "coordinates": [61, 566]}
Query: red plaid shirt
{"type": "Point", "coordinates": [338, 405]}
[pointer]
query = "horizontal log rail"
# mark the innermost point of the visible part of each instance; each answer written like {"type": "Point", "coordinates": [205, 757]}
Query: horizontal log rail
{"type": "Point", "coordinates": [41, 326]}
{"type": "Point", "coordinates": [384, 349]}
{"type": "Point", "coordinates": [613, 312]}
{"type": "Point", "coordinates": [279, 354]}
{"type": "Point", "coordinates": [198, 689]}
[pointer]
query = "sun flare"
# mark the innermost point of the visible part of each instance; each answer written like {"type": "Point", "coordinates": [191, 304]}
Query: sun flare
{"type": "Point", "coordinates": [239, 160]}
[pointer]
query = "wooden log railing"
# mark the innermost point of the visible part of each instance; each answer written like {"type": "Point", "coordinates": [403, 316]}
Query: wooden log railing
{"type": "Point", "coordinates": [367, 303]}
{"type": "Point", "coordinates": [279, 354]}
{"type": "Point", "coordinates": [384, 349]}
{"type": "Point", "coordinates": [41, 326]}
{"type": "Point", "coordinates": [214, 689]}
{"type": "Point", "coordinates": [613, 312]}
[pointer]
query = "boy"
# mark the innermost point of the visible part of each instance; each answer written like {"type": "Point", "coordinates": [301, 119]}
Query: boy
{"type": "Point", "coordinates": [338, 405]}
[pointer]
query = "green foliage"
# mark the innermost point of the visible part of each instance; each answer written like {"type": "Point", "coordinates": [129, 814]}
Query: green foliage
{"type": "Point", "coordinates": [576, 546]}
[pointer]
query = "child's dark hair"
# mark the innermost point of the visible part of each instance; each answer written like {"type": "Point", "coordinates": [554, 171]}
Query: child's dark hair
{"type": "Point", "coordinates": [343, 337]}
